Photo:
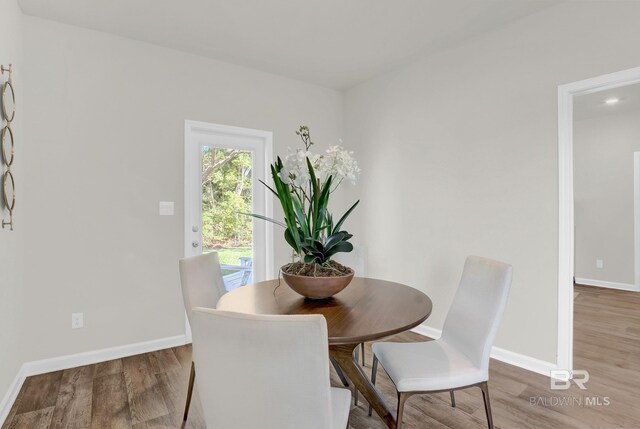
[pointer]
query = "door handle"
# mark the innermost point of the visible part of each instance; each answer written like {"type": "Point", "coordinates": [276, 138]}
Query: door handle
{"type": "Point", "coordinates": [194, 244]}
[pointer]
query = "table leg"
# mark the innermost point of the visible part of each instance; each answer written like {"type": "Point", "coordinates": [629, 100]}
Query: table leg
{"type": "Point", "coordinates": [343, 355]}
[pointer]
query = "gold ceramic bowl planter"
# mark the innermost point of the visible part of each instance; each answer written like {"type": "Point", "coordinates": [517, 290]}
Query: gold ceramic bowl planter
{"type": "Point", "coordinates": [317, 287]}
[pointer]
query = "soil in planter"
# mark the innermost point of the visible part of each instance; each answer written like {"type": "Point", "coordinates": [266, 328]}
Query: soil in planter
{"type": "Point", "coordinates": [331, 269]}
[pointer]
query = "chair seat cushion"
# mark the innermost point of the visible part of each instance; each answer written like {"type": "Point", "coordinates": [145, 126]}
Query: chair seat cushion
{"type": "Point", "coordinates": [427, 366]}
{"type": "Point", "coordinates": [340, 405]}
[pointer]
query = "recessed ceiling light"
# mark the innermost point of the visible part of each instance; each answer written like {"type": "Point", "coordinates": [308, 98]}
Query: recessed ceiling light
{"type": "Point", "coordinates": [611, 100]}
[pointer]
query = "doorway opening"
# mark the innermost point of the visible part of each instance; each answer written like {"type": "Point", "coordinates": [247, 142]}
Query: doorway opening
{"type": "Point", "coordinates": [566, 228]}
{"type": "Point", "coordinates": [606, 134]}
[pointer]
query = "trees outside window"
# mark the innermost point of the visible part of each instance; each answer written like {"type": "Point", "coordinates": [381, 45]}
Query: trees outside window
{"type": "Point", "coordinates": [226, 193]}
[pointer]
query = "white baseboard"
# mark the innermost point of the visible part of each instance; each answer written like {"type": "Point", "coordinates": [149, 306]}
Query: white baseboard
{"type": "Point", "coordinates": [523, 361]}
{"type": "Point", "coordinates": [428, 331]}
{"type": "Point", "coordinates": [512, 358]}
{"type": "Point", "coordinates": [80, 359]}
{"type": "Point", "coordinates": [95, 356]}
{"type": "Point", "coordinates": [11, 395]}
{"type": "Point", "coordinates": [608, 285]}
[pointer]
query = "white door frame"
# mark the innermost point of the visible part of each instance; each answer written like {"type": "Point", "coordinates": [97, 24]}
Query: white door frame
{"type": "Point", "coordinates": [636, 219]}
{"type": "Point", "coordinates": [566, 249]}
{"type": "Point", "coordinates": [197, 134]}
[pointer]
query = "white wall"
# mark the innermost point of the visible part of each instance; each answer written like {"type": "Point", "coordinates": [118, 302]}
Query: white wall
{"type": "Point", "coordinates": [603, 192]}
{"type": "Point", "coordinates": [458, 152]}
{"type": "Point", "coordinates": [10, 279]}
{"type": "Point", "coordinates": [105, 129]}
{"type": "Point", "coordinates": [460, 157]}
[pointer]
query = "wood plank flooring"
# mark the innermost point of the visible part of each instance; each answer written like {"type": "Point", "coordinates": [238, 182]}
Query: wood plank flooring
{"type": "Point", "coordinates": [148, 391]}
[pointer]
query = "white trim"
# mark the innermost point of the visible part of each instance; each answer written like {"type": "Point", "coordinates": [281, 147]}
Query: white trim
{"type": "Point", "coordinates": [95, 356]}
{"type": "Point", "coordinates": [565, 231]}
{"type": "Point", "coordinates": [11, 395]}
{"type": "Point", "coordinates": [428, 331]}
{"type": "Point", "coordinates": [565, 202]}
{"type": "Point", "coordinates": [512, 358]}
{"type": "Point", "coordinates": [608, 285]}
{"type": "Point", "coordinates": [529, 363]}
{"type": "Point", "coordinates": [636, 218]}
{"type": "Point", "coordinates": [80, 359]}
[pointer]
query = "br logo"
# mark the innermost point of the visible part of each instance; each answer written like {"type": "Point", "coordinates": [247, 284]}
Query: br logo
{"type": "Point", "coordinates": [561, 379]}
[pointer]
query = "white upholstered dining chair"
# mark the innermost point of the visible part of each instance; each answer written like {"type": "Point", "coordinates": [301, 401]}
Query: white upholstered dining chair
{"type": "Point", "coordinates": [266, 371]}
{"type": "Point", "coordinates": [202, 286]}
{"type": "Point", "coordinates": [460, 358]}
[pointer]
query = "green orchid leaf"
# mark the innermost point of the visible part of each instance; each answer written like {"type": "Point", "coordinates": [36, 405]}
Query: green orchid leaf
{"type": "Point", "coordinates": [312, 178]}
{"type": "Point", "coordinates": [315, 196]}
{"type": "Point", "coordinates": [343, 246]}
{"type": "Point", "coordinates": [308, 248]}
{"type": "Point", "coordinates": [309, 259]}
{"type": "Point", "coordinates": [334, 239]}
{"type": "Point", "coordinates": [323, 199]}
{"type": "Point", "coordinates": [268, 219]}
{"type": "Point", "coordinates": [301, 217]}
{"type": "Point", "coordinates": [291, 240]}
{"type": "Point", "coordinates": [269, 188]}
{"type": "Point", "coordinates": [344, 217]}
{"type": "Point", "coordinates": [347, 236]}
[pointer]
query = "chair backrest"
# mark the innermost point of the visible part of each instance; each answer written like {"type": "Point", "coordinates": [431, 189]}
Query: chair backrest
{"type": "Point", "coordinates": [262, 371]}
{"type": "Point", "coordinates": [201, 280]}
{"type": "Point", "coordinates": [474, 317]}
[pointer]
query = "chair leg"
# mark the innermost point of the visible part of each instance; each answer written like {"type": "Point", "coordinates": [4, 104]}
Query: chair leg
{"type": "Point", "coordinates": [374, 372]}
{"type": "Point", "coordinates": [402, 397]}
{"type": "Point", "coordinates": [356, 357]}
{"type": "Point", "coordinates": [192, 378]}
{"type": "Point", "coordinates": [364, 362]}
{"type": "Point", "coordinates": [487, 404]}
{"type": "Point", "coordinates": [341, 375]}
{"type": "Point", "coordinates": [453, 398]}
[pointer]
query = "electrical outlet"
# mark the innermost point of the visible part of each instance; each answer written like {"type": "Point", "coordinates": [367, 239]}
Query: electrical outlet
{"type": "Point", "coordinates": [599, 263]}
{"type": "Point", "coordinates": [77, 320]}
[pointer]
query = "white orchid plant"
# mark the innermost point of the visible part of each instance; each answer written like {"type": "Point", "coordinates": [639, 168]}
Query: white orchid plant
{"type": "Point", "coordinates": [303, 183]}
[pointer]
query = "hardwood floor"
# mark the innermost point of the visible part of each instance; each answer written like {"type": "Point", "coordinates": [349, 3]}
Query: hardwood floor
{"type": "Point", "coordinates": [148, 391]}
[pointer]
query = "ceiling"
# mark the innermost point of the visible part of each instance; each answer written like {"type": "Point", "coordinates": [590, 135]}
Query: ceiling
{"type": "Point", "coordinates": [592, 105]}
{"type": "Point", "coordinates": [334, 43]}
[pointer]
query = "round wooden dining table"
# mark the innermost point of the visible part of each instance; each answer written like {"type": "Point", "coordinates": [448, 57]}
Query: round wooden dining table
{"type": "Point", "coordinates": [367, 310]}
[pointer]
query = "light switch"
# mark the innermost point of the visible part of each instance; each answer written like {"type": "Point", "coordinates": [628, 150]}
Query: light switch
{"type": "Point", "coordinates": [166, 208]}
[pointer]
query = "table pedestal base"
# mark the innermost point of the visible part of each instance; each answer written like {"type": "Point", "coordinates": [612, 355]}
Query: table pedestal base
{"type": "Point", "coordinates": [343, 355]}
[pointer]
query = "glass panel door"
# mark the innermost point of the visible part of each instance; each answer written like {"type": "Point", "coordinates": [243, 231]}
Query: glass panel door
{"type": "Point", "coordinates": [223, 169]}
{"type": "Point", "coordinates": [227, 195]}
